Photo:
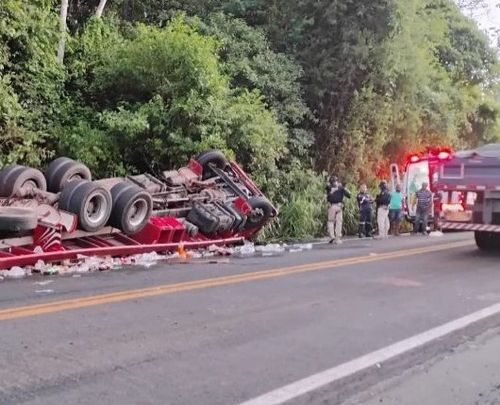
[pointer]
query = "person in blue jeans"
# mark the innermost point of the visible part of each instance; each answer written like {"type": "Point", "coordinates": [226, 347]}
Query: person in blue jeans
{"type": "Point", "coordinates": [395, 210]}
{"type": "Point", "coordinates": [424, 206]}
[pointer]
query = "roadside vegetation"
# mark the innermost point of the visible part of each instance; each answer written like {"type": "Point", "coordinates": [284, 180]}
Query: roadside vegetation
{"type": "Point", "coordinates": [293, 89]}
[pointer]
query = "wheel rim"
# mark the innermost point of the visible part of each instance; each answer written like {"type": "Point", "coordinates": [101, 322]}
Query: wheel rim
{"type": "Point", "coordinates": [95, 209]}
{"type": "Point", "coordinates": [76, 176]}
{"type": "Point", "coordinates": [256, 216]}
{"type": "Point", "coordinates": [138, 212]}
{"type": "Point", "coordinates": [29, 185]}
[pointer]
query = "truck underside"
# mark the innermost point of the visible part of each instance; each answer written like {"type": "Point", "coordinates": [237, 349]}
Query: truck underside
{"type": "Point", "coordinates": [63, 214]}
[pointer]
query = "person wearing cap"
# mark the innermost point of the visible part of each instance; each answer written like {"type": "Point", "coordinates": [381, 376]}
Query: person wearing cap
{"type": "Point", "coordinates": [395, 209]}
{"type": "Point", "coordinates": [365, 202]}
{"type": "Point", "coordinates": [383, 200]}
{"type": "Point", "coordinates": [335, 194]}
{"type": "Point", "coordinates": [424, 206]}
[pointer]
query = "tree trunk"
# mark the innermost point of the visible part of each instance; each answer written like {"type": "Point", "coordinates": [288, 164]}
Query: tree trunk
{"type": "Point", "coordinates": [100, 8]}
{"type": "Point", "coordinates": [62, 28]}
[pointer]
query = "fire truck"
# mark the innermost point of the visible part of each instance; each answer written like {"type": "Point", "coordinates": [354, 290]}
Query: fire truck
{"type": "Point", "coordinates": [419, 168]}
{"type": "Point", "coordinates": [469, 184]}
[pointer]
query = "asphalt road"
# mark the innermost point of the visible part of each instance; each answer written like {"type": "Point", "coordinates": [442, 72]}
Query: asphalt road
{"type": "Point", "coordinates": [228, 332]}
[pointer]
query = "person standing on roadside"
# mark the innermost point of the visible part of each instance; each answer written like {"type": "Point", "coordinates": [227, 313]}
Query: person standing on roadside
{"type": "Point", "coordinates": [395, 209]}
{"type": "Point", "coordinates": [383, 200]}
{"type": "Point", "coordinates": [335, 194]}
{"type": "Point", "coordinates": [365, 202]}
{"type": "Point", "coordinates": [424, 206]}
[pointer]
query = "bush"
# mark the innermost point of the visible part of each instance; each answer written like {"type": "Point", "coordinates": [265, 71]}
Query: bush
{"type": "Point", "coordinates": [159, 96]}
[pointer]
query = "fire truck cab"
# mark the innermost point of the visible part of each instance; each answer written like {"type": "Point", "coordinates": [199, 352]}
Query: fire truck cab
{"type": "Point", "coordinates": [469, 184]}
{"type": "Point", "coordinates": [418, 168]}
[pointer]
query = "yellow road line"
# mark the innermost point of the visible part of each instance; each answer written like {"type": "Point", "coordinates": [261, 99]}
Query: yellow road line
{"type": "Point", "coordinates": [89, 301]}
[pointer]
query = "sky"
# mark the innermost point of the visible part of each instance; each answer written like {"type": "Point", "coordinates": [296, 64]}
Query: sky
{"type": "Point", "coordinates": [488, 18]}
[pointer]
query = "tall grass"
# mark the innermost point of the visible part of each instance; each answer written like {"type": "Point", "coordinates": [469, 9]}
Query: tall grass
{"type": "Point", "coordinates": [301, 200]}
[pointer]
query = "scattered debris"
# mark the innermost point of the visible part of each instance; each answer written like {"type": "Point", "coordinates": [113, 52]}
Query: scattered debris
{"type": "Point", "coordinates": [46, 282]}
{"type": "Point", "coordinates": [15, 272]}
{"type": "Point", "coordinates": [39, 266]}
{"type": "Point", "coordinates": [220, 250]}
{"type": "Point", "coordinates": [436, 233]}
{"type": "Point", "coordinates": [302, 246]}
{"type": "Point", "coordinates": [85, 264]}
{"type": "Point", "coordinates": [270, 249]}
{"type": "Point", "coordinates": [248, 249]}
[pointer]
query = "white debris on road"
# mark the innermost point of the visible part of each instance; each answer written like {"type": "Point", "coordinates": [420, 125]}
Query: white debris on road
{"type": "Point", "coordinates": [86, 264]}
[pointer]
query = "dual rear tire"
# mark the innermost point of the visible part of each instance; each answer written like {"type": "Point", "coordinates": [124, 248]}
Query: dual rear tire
{"type": "Point", "coordinates": [63, 170]}
{"type": "Point", "coordinates": [132, 207]}
{"type": "Point", "coordinates": [89, 201]}
{"type": "Point", "coordinates": [19, 181]}
{"type": "Point", "coordinates": [125, 207]}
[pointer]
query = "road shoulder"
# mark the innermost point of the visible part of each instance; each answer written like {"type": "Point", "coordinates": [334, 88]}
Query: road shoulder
{"type": "Point", "coordinates": [466, 375]}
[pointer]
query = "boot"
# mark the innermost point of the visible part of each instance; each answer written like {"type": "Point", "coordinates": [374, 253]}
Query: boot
{"type": "Point", "coordinates": [361, 230]}
{"type": "Point", "coordinates": [368, 230]}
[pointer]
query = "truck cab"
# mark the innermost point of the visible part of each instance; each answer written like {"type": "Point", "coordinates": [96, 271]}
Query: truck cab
{"type": "Point", "coordinates": [469, 184]}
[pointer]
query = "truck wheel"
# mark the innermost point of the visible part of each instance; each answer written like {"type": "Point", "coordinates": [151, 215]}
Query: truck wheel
{"type": "Point", "coordinates": [18, 180]}
{"type": "Point", "coordinates": [17, 219]}
{"type": "Point", "coordinates": [89, 201]}
{"type": "Point", "coordinates": [262, 210]}
{"type": "Point", "coordinates": [132, 208]}
{"type": "Point", "coordinates": [486, 240]}
{"type": "Point", "coordinates": [215, 157]}
{"type": "Point", "coordinates": [63, 170]}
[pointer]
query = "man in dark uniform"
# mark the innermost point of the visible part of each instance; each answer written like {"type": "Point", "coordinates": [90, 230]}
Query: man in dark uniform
{"type": "Point", "coordinates": [365, 202]}
{"type": "Point", "coordinates": [335, 194]}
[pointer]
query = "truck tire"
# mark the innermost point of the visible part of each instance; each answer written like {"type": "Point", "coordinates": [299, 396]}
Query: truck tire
{"type": "Point", "coordinates": [486, 241]}
{"type": "Point", "coordinates": [262, 210]}
{"type": "Point", "coordinates": [132, 208]}
{"type": "Point", "coordinates": [5, 172]}
{"type": "Point", "coordinates": [213, 156]}
{"type": "Point", "coordinates": [63, 170]}
{"type": "Point", "coordinates": [17, 219]}
{"type": "Point", "coordinates": [89, 201]}
{"type": "Point", "coordinates": [17, 180]}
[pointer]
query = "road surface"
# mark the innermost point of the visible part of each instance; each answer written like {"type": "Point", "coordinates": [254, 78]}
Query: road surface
{"type": "Point", "coordinates": [408, 320]}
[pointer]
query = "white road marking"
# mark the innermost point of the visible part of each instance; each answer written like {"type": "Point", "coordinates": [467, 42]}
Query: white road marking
{"type": "Point", "coordinates": [316, 381]}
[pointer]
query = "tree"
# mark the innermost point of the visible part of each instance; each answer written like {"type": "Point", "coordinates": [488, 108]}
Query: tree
{"type": "Point", "coordinates": [63, 28]}
{"type": "Point", "coordinates": [100, 8]}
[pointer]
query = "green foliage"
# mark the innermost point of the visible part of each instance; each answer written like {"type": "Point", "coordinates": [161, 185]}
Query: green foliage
{"type": "Point", "coordinates": [299, 195]}
{"type": "Point", "coordinates": [251, 64]}
{"type": "Point", "coordinates": [158, 97]}
{"type": "Point", "coordinates": [31, 81]}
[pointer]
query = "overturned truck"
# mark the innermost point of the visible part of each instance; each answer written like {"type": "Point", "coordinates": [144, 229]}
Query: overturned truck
{"type": "Point", "coordinates": [64, 214]}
